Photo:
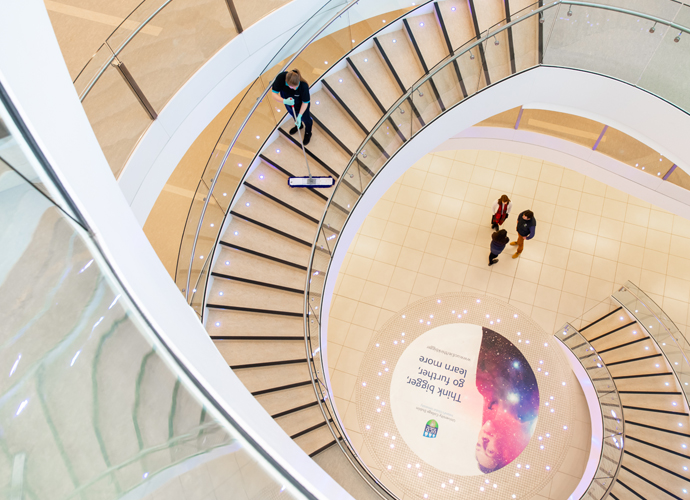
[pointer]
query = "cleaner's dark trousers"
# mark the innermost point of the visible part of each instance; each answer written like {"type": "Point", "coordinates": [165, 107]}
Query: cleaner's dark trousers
{"type": "Point", "coordinates": [306, 119]}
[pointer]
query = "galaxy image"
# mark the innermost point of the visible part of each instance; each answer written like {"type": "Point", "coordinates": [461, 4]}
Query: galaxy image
{"type": "Point", "coordinates": [511, 402]}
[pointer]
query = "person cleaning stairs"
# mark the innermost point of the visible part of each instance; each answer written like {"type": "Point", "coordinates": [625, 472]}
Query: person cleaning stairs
{"type": "Point", "coordinates": [292, 90]}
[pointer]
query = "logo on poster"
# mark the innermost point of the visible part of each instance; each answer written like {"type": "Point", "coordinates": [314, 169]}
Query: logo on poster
{"type": "Point", "coordinates": [431, 429]}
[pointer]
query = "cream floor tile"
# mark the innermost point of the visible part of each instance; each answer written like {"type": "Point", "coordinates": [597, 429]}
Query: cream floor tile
{"type": "Point", "coordinates": [564, 217]}
{"type": "Point", "coordinates": [343, 308]}
{"type": "Point", "coordinates": [530, 168]}
{"type": "Point", "coordinates": [525, 187]}
{"type": "Point", "coordinates": [425, 285]}
{"type": "Point", "coordinates": [479, 195]}
{"type": "Point", "coordinates": [547, 193]}
{"type": "Point", "coordinates": [471, 212]}
{"type": "Point", "coordinates": [455, 189]}
{"type": "Point", "coordinates": [365, 315]}
{"type": "Point", "coordinates": [681, 226]}
{"type": "Point", "coordinates": [615, 194]}
{"type": "Point", "coordinates": [333, 353]}
{"type": "Point", "coordinates": [504, 182]}
{"type": "Point", "coordinates": [441, 165]}
{"type": "Point", "coordinates": [625, 273]}
{"type": "Point", "coordinates": [408, 196]}
{"type": "Point", "coordinates": [403, 279]}
{"type": "Point", "coordinates": [595, 187]}
{"type": "Point", "coordinates": [569, 198]}
{"type": "Point", "coordinates": [523, 291]}
{"type": "Point", "coordinates": [429, 201]}
{"type": "Point", "coordinates": [488, 159]}
{"type": "Point", "coordinates": [461, 171]}
{"type": "Point", "coordinates": [652, 282]}
{"type": "Point", "coordinates": [556, 256]}
{"type": "Point", "coordinates": [680, 246]}
{"type": "Point", "coordinates": [560, 236]}
{"type": "Point", "coordinates": [387, 253]}
{"type": "Point", "coordinates": [482, 176]}
{"type": "Point", "coordinates": [631, 255]}
{"type": "Point", "coordinates": [373, 293]}
{"type": "Point", "coordinates": [359, 266]}
{"type": "Point", "coordinates": [658, 240]}
{"type": "Point", "coordinates": [450, 207]}
{"type": "Point", "coordinates": [508, 163]}
{"type": "Point", "coordinates": [544, 212]}
{"type": "Point", "coordinates": [604, 269]}
{"type": "Point", "coordinates": [575, 283]}
{"type": "Point", "coordinates": [454, 271]}
{"type": "Point", "coordinates": [410, 259]}
{"type": "Point", "coordinates": [343, 384]}
{"type": "Point", "coordinates": [591, 204]}
{"type": "Point", "coordinates": [533, 250]}
{"type": "Point", "coordinates": [571, 305]}
{"type": "Point", "coordinates": [599, 289]}
{"type": "Point", "coordinates": [637, 215]}
{"type": "Point", "coordinates": [528, 270]}
{"type": "Point", "coordinates": [444, 225]}
{"type": "Point", "coordinates": [351, 287]}
{"type": "Point", "coordinates": [677, 288]}
{"type": "Point", "coordinates": [585, 243]}
{"type": "Point", "coordinates": [579, 262]}
{"type": "Point", "coordinates": [448, 287]}
{"type": "Point", "coordinates": [460, 251]}
{"type": "Point", "coordinates": [678, 266]}
{"type": "Point", "coordinates": [661, 220]}
{"type": "Point", "coordinates": [611, 228]}
{"type": "Point", "coordinates": [414, 178]}
{"type": "Point", "coordinates": [500, 285]}
{"type": "Point", "coordinates": [358, 338]}
{"type": "Point", "coordinates": [525, 308]}
{"type": "Point", "coordinates": [655, 261]}
{"type": "Point", "coordinates": [614, 209]}
{"type": "Point", "coordinates": [395, 300]}
{"type": "Point", "coordinates": [337, 330]}
{"type": "Point", "coordinates": [422, 219]}
{"type": "Point", "coordinates": [438, 245]}
{"type": "Point", "coordinates": [394, 233]}
{"type": "Point", "coordinates": [432, 265]}
{"type": "Point", "coordinates": [382, 209]}
{"type": "Point", "coordinates": [544, 318]}
{"type": "Point", "coordinates": [551, 174]}
{"type": "Point", "coordinates": [607, 248]}
{"type": "Point", "coordinates": [349, 361]}
{"type": "Point", "coordinates": [373, 227]}
{"type": "Point", "coordinates": [416, 239]}
{"type": "Point", "coordinates": [587, 223]}
{"type": "Point", "coordinates": [547, 298]}
{"type": "Point", "coordinates": [401, 214]}
{"type": "Point", "coordinates": [381, 273]}
{"type": "Point", "coordinates": [477, 278]}
{"type": "Point", "coordinates": [552, 276]}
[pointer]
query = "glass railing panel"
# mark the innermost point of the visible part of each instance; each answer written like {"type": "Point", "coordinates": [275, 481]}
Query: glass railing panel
{"type": "Point", "coordinates": [497, 53]}
{"type": "Point", "coordinates": [668, 69]}
{"type": "Point", "coordinates": [665, 9]}
{"type": "Point", "coordinates": [142, 14]}
{"type": "Point", "coordinates": [118, 119]}
{"type": "Point", "coordinates": [251, 139]}
{"type": "Point", "coordinates": [363, 24]}
{"type": "Point", "coordinates": [525, 35]}
{"type": "Point", "coordinates": [93, 67]}
{"type": "Point", "coordinates": [606, 42]}
{"type": "Point", "coordinates": [426, 101]}
{"type": "Point", "coordinates": [447, 83]}
{"type": "Point", "coordinates": [470, 66]}
{"type": "Point", "coordinates": [93, 405]}
{"type": "Point", "coordinates": [190, 33]}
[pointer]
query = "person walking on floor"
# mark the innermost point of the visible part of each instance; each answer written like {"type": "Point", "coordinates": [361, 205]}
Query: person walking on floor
{"type": "Point", "coordinates": [292, 90]}
{"type": "Point", "coordinates": [526, 226]}
{"type": "Point", "coordinates": [502, 207]}
{"type": "Point", "coordinates": [499, 240]}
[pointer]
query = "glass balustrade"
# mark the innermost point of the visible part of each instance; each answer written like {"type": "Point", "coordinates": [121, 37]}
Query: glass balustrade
{"type": "Point", "coordinates": [92, 403]}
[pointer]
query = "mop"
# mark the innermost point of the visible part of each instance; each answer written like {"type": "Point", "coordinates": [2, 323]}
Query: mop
{"type": "Point", "coordinates": [311, 181]}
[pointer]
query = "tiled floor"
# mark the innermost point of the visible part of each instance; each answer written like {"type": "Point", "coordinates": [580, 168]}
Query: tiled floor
{"type": "Point", "coordinates": [430, 234]}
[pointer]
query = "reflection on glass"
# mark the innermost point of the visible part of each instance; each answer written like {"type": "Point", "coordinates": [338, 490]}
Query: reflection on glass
{"type": "Point", "coordinates": [92, 405]}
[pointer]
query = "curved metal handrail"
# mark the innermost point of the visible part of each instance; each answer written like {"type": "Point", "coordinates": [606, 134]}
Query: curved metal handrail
{"type": "Point", "coordinates": [407, 95]}
{"type": "Point", "coordinates": [570, 332]}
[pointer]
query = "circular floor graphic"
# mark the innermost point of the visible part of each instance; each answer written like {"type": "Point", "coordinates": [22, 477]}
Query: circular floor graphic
{"type": "Point", "coordinates": [460, 395]}
{"type": "Point", "coordinates": [464, 399]}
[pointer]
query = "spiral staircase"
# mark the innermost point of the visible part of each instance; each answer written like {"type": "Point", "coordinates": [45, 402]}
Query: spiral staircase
{"type": "Point", "coordinates": [254, 309]}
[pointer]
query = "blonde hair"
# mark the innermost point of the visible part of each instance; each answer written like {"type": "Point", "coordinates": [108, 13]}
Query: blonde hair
{"type": "Point", "coordinates": [294, 77]}
{"type": "Point", "coordinates": [504, 199]}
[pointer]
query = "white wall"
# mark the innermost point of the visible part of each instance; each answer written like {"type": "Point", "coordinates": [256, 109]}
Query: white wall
{"type": "Point", "coordinates": [33, 72]}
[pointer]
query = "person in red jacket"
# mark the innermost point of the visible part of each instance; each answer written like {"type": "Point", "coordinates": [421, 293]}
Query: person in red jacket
{"type": "Point", "coordinates": [502, 207]}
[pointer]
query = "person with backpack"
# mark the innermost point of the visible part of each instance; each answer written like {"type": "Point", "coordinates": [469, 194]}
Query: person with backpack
{"type": "Point", "coordinates": [526, 227]}
{"type": "Point", "coordinates": [499, 240]}
{"type": "Point", "coordinates": [292, 90]}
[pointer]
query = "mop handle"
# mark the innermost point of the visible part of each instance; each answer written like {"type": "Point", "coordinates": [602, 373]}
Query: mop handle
{"type": "Point", "coordinates": [301, 143]}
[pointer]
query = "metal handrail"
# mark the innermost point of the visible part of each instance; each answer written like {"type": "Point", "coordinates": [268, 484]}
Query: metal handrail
{"type": "Point", "coordinates": [595, 383]}
{"type": "Point", "coordinates": [119, 49]}
{"type": "Point", "coordinates": [440, 66]}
